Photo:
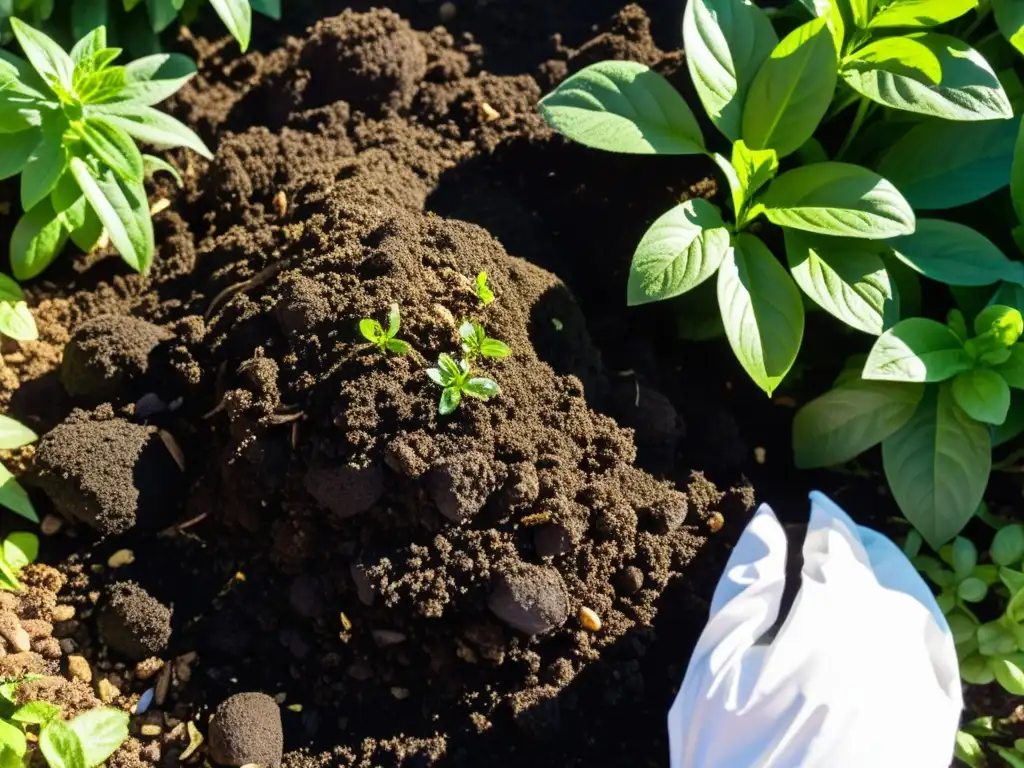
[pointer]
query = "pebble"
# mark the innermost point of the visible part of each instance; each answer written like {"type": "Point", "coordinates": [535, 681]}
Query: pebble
{"type": "Point", "coordinates": [63, 613]}
{"type": "Point", "coordinates": [48, 648]}
{"type": "Point", "coordinates": [386, 637]}
{"type": "Point", "coordinates": [65, 628]}
{"type": "Point", "coordinates": [400, 693]}
{"type": "Point", "coordinates": [151, 730]}
{"type": "Point", "coordinates": [715, 522]}
{"type": "Point", "coordinates": [146, 668]}
{"type": "Point", "coordinates": [37, 628]}
{"type": "Point", "coordinates": [121, 558]}
{"type": "Point", "coordinates": [106, 690]}
{"type": "Point", "coordinates": [589, 619]}
{"type": "Point", "coordinates": [447, 11]}
{"type": "Point", "coordinates": [12, 631]}
{"type": "Point", "coordinates": [67, 646]}
{"type": "Point", "coordinates": [51, 525]}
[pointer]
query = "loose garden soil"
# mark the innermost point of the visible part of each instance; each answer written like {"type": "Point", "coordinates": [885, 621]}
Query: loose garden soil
{"type": "Point", "coordinates": [239, 471]}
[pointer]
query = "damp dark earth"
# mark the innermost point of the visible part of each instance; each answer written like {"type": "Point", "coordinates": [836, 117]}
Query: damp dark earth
{"type": "Point", "coordinates": [253, 513]}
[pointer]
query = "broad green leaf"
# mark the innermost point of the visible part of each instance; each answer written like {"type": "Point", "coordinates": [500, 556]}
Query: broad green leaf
{"type": "Point", "coordinates": [152, 79]}
{"type": "Point", "coordinates": [983, 395]}
{"type": "Point", "coordinates": [754, 167]}
{"type": "Point", "coordinates": [20, 548]}
{"type": "Point", "coordinates": [101, 731]}
{"type": "Point", "coordinates": [736, 191]}
{"type": "Point", "coordinates": [113, 146]}
{"type": "Point", "coordinates": [45, 165]}
{"type": "Point", "coordinates": [1008, 545]}
{"type": "Point", "coordinates": [38, 237]}
{"type": "Point", "coordinates": [726, 41]}
{"type": "Point", "coordinates": [969, 751]}
{"type": "Point", "coordinates": [14, 434]}
{"type": "Point", "coordinates": [89, 44]}
{"type": "Point", "coordinates": [1009, 676]}
{"type": "Point", "coordinates": [237, 17]}
{"type": "Point", "coordinates": [162, 14]}
{"type": "Point", "coordinates": [18, 148]}
{"type": "Point", "coordinates": [917, 349]}
{"type": "Point", "coordinates": [930, 74]}
{"type": "Point", "coordinates": [61, 746]}
{"type": "Point", "coordinates": [937, 466]}
{"type": "Point", "coordinates": [1012, 370]}
{"type": "Point", "coordinates": [931, 177]}
{"type": "Point", "coordinates": [838, 199]}
{"type": "Point", "coordinates": [88, 235]}
{"type": "Point", "coordinates": [921, 13]}
{"type": "Point", "coordinates": [124, 211]}
{"type": "Point", "coordinates": [850, 419]}
{"type": "Point", "coordinates": [371, 330]}
{"type": "Point", "coordinates": [1013, 757]}
{"type": "Point", "coordinates": [149, 125]}
{"type": "Point", "coordinates": [269, 8]}
{"type": "Point", "coordinates": [14, 498]}
{"type": "Point", "coordinates": [954, 254]}
{"type": "Point", "coordinates": [18, 112]}
{"type": "Point", "coordinates": [845, 277]}
{"type": "Point", "coordinates": [1016, 175]}
{"type": "Point", "coordinates": [13, 738]}
{"type": "Point", "coordinates": [1010, 18]}
{"type": "Point", "coordinates": [481, 388]}
{"type": "Point", "coordinates": [16, 321]}
{"type": "Point", "coordinates": [761, 310]}
{"type": "Point", "coordinates": [622, 106]}
{"type": "Point", "coordinates": [450, 399]}
{"type": "Point", "coordinates": [35, 712]}
{"type": "Point", "coordinates": [792, 90]}
{"type": "Point", "coordinates": [48, 59]}
{"type": "Point", "coordinates": [972, 590]}
{"type": "Point", "coordinates": [494, 349]}
{"type": "Point", "coordinates": [682, 249]}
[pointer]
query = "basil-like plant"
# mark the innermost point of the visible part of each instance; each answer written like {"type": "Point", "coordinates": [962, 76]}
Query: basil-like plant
{"type": "Point", "coordinates": [13, 434]}
{"type": "Point", "coordinates": [16, 321]}
{"type": "Point", "coordinates": [70, 123]}
{"type": "Point", "coordinates": [767, 97]}
{"type": "Point", "coordinates": [385, 340]}
{"type": "Point", "coordinates": [934, 398]}
{"type": "Point", "coordinates": [142, 25]}
{"type": "Point", "coordinates": [476, 343]}
{"type": "Point", "coordinates": [84, 742]}
{"type": "Point", "coordinates": [456, 380]}
{"type": "Point", "coordinates": [16, 551]}
{"type": "Point", "coordinates": [483, 290]}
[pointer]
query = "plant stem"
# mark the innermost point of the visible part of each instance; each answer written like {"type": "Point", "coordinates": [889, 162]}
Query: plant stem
{"type": "Point", "coordinates": [978, 21]}
{"type": "Point", "coordinates": [858, 121]}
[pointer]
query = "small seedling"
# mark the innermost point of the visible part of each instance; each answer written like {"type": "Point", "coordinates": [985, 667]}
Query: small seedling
{"type": "Point", "coordinates": [476, 343]}
{"type": "Point", "coordinates": [85, 742]}
{"type": "Point", "coordinates": [16, 321]}
{"type": "Point", "coordinates": [483, 291]}
{"type": "Point", "coordinates": [385, 341]}
{"type": "Point", "coordinates": [13, 434]}
{"type": "Point", "coordinates": [456, 379]}
{"type": "Point", "coordinates": [18, 550]}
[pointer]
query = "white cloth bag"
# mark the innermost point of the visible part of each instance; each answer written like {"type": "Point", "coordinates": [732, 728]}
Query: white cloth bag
{"type": "Point", "coordinates": [862, 674]}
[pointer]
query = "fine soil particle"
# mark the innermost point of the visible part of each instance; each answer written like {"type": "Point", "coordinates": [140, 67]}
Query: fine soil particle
{"type": "Point", "coordinates": [133, 622]}
{"type": "Point", "coordinates": [246, 729]}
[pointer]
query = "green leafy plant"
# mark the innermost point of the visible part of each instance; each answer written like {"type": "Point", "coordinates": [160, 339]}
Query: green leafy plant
{"type": "Point", "coordinates": [483, 291]}
{"type": "Point", "coordinates": [140, 23]}
{"type": "Point", "coordinates": [476, 343]}
{"type": "Point", "coordinates": [16, 321]}
{"type": "Point", "coordinates": [456, 380]}
{"type": "Point", "coordinates": [16, 551]}
{"type": "Point", "coordinates": [385, 340]}
{"type": "Point", "coordinates": [12, 496]}
{"type": "Point", "coordinates": [84, 742]}
{"type": "Point", "coordinates": [936, 400]}
{"type": "Point", "coordinates": [70, 123]}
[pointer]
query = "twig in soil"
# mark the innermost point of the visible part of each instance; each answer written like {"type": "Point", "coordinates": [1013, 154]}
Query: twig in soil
{"type": "Point", "coordinates": [253, 282]}
{"type": "Point", "coordinates": [1010, 463]}
{"type": "Point", "coordinates": [179, 527]}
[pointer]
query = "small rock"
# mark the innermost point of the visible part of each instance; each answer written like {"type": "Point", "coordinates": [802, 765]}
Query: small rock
{"type": "Point", "coordinates": [386, 637]}
{"type": "Point", "coordinates": [63, 613]}
{"type": "Point", "coordinates": [67, 646]}
{"type": "Point", "coordinates": [151, 730]}
{"type": "Point", "coordinates": [106, 690]}
{"type": "Point", "coordinates": [365, 590]}
{"type": "Point", "coordinates": [247, 729]}
{"type": "Point", "coordinates": [12, 631]}
{"type": "Point", "coordinates": [530, 598]}
{"type": "Point", "coordinates": [48, 648]}
{"type": "Point", "coordinates": [400, 693]}
{"type": "Point", "coordinates": [121, 558]}
{"type": "Point", "coordinates": [716, 521]}
{"type": "Point", "coordinates": [146, 668]}
{"type": "Point", "coordinates": [630, 580]}
{"type": "Point", "coordinates": [65, 628]}
{"type": "Point", "coordinates": [163, 685]}
{"type": "Point", "coordinates": [133, 622]}
{"type": "Point", "coordinates": [51, 525]}
{"type": "Point", "coordinates": [37, 628]}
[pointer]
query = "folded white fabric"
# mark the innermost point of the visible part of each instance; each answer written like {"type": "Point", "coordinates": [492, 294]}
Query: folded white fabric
{"type": "Point", "coordinates": [862, 674]}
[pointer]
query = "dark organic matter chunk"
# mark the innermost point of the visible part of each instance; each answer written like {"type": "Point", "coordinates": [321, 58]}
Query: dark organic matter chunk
{"type": "Point", "coordinates": [346, 491]}
{"type": "Point", "coordinates": [133, 622]}
{"type": "Point", "coordinates": [530, 598]}
{"type": "Point", "coordinates": [247, 729]}
{"type": "Point", "coordinates": [106, 354]}
{"type": "Point", "coordinates": [112, 475]}
{"type": "Point", "coordinates": [460, 486]}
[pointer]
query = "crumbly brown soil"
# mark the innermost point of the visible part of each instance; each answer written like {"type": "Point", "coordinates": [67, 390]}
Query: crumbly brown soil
{"type": "Point", "coordinates": [410, 584]}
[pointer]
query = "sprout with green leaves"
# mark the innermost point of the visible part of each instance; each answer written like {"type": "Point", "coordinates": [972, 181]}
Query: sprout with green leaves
{"type": "Point", "coordinates": [476, 343]}
{"type": "Point", "coordinates": [17, 550]}
{"type": "Point", "coordinates": [385, 340]}
{"type": "Point", "coordinates": [13, 435]}
{"type": "Point", "coordinates": [16, 321]}
{"type": "Point", "coordinates": [483, 291]}
{"type": "Point", "coordinates": [457, 379]}
{"type": "Point", "coordinates": [70, 123]}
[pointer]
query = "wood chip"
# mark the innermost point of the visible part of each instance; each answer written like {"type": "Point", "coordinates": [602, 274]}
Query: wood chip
{"type": "Point", "coordinates": [163, 685]}
{"type": "Point", "coordinates": [489, 113]}
{"type": "Point", "coordinates": [173, 448]}
{"type": "Point", "coordinates": [281, 202]}
{"type": "Point", "coordinates": [159, 206]}
{"type": "Point", "coordinates": [589, 619]}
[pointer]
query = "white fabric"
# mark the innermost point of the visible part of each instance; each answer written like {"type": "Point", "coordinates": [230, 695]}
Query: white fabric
{"type": "Point", "coordinates": [862, 674]}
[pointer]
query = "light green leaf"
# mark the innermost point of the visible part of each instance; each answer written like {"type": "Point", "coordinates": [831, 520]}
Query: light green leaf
{"type": "Point", "coordinates": [969, 751]}
{"type": "Point", "coordinates": [16, 321]}
{"type": "Point", "coordinates": [682, 249]}
{"type": "Point", "coordinates": [62, 747]}
{"type": "Point", "coordinates": [113, 146]}
{"type": "Point", "coordinates": [754, 168]}
{"type": "Point", "coordinates": [14, 434]}
{"type": "Point", "coordinates": [13, 738]}
{"type": "Point", "coordinates": [931, 177]}
{"type": "Point", "coordinates": [937, 466]}
{"type": "Point", "coordinates": [983, 395]}
{"type": "Point", "coordinates": [792, 90]}
{"type": "Point", "coordinates": [48, 59]}
{"type": "Point", "coordinates": [18, 112]}
{"type": "Point", "coordinates": [917, 349]}
{"type": "Point", "coordinates": [954, 254]}
{"type": "Point", "coordinates": [481, 388]}
{"type": "Point", "coordinates": [151, 165]}
{"type": "Point", "coordinates": [1010, 18]}
{"type": "Point", "coordinates": [149, 125]}
{"type": "Point", "coordinates": [921, 13]}
{"type": "Point", "coordinates": [20, 549]}
{"type": "Point", "coordinates": [124, 211]}
{"type": "Point", "coordinates": [237, 17]}
{"type": "Point", "coordinates": [930, 74]}
{"type": "Point", "coordinates": [972, 590]}
{"type": "Point", "coordinates": [1012, 370]}
{"type": "Point", "coordinates": [450, 399]}
{"type": "Point", "coordinates": [1009, 675]}
{"type": "Point", "coordinates": [88, 45]}
{"type": "Point", "coordinates": [838, 199]}
{"type": "Point", "coordinates": [845, 277]}
{"type": "Point", "coordinates": [850, 419]}
{"type": "Point", "coordinates": [152, 79]}
{"type": "Point", "coordinates": [761, 311]}
{"type": "Point", "coordinates": [101, 731]}
{"type": "Point", "coordinates": [18, 148]}
{"type": "Point", "coordinates": [35, 712]}
{"type": "Point", "coordinates": [371, 330]}
{"type": "Point", "coordinates": [14, 498]}
{"type": "Point", "coordinates": [1013, 758]}
{"type": "Point", "coordinates": [38, 237]}
{"type": "Point", "coordinates": [622, 106]}
{"type": "Point", "coordinates": [726, 41]}
{"type": "Point", "coordinates": [44, 166]}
